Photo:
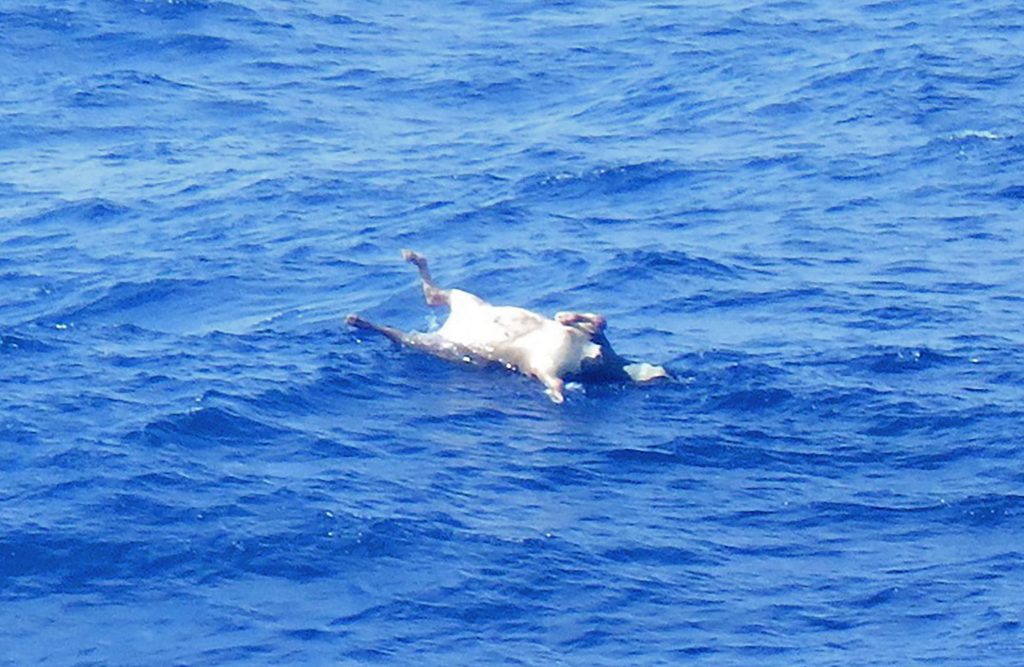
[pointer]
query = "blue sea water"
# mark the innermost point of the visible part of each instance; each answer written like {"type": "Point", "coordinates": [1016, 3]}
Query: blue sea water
{"type": "Point", "coordinates": [811, 212]}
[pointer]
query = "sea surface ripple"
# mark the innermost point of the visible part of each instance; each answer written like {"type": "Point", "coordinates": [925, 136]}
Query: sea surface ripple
{"type": "Point", "coordinates": [810, 211]}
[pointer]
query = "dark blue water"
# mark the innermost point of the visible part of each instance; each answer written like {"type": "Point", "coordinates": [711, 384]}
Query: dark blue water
{"type": "Point", "coordinates": [810, 211]}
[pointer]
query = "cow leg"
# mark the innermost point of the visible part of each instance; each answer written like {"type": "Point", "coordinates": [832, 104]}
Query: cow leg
{"type": "Point", "coordinates": [391, 333]}
{"type": "Point", "coordinates": [434, 295]}
{"type": "Point", "coordinates": [428, 343]}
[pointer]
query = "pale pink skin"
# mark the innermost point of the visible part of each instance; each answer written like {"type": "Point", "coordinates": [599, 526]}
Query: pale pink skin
{"type": "Point", "coordinates": [522, 340]}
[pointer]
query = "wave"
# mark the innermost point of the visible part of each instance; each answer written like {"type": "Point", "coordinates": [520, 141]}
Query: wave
{"type": "Point", "coordinates": [19, 344]}
{"type": "Point", "coordinates": [903, 360]}
{"type": "Point", "coordinates": [173, 305]}
{"type": "Point", "coordinates": [326, 544]}
{"type": "Point", "coordinates": [209, 427]}
{"type": "Point", "coordinates": [625, 179]}
{"type": "Point", "coordinates": [92, 210]}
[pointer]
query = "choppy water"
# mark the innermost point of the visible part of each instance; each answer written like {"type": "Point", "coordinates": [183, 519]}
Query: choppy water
{"type": "Point", "coordinates": [811, 212]}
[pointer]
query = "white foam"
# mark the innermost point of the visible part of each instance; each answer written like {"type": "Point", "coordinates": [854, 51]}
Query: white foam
{"type": "Point", "coordinates": [978, 134]}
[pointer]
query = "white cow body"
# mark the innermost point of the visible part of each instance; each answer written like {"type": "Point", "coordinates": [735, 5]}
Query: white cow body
{"type": "Point", "coordinates": [534, 344]}
{"type": "Point", "coordinates": [570, 345]}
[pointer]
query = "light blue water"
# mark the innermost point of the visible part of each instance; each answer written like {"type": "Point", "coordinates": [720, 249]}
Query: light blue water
{"type": "Point", "coordinates": [810, 212]}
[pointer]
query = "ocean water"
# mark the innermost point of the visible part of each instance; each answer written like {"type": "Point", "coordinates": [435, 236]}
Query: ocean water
{"type": "Point", "coordinates": [811, 212]}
